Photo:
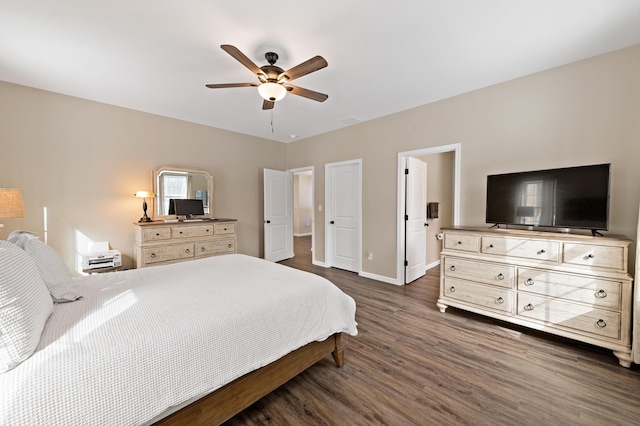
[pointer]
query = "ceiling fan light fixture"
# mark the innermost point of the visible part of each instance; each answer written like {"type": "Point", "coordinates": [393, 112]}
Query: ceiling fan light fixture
{"type": "Point", "coordinates": [272, 91]}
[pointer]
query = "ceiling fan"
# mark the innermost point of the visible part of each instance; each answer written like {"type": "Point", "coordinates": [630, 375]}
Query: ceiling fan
{"type": "Point", "coordinates": [273, 82]}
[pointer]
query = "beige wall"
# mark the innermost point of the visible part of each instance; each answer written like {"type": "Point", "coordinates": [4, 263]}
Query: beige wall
{"type": "Point", "coordinates": [302, 204]}
{"type": "Point", "coordinates": [581, 113]}
{"type": "Point", "coordinates": [83, 161]}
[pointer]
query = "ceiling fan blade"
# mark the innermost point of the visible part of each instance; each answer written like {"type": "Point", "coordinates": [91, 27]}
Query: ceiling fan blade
{"type": "Point", "coordinates": [242, 58]}
{"type": "Point", "coordinates": [227, 85]}
{"type": "Point", "coordinates": [314, 64]}
{"type": "Point", "coordinates": [310, 94]}
{"type": "Point", "coordinates": [268, 104]}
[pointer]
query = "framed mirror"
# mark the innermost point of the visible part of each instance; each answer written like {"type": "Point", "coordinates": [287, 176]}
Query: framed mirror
{"type": "Point", "coordinates": [178, 183]}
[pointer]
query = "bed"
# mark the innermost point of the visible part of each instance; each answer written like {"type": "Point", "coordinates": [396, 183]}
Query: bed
{"type": "Point", "coordinates": [187, 343]}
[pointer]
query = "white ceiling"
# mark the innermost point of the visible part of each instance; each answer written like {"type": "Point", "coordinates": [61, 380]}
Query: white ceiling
{"type": "Point", "coordinates": [384, 57]}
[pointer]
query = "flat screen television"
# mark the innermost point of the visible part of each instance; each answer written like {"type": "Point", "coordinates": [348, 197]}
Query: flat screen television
{"type": "Point", "coordinates": [571, 197]}
{"type": "Point", "coordinates": [188, 207]}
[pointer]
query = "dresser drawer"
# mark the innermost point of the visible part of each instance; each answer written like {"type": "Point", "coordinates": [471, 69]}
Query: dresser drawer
{"type": "Point", "coordinates": [594, 255]}
{"type": "Point", "coordinates": [478, 294]}
{"type": "Point", "coordinates": [461, 242]}
{"type": "Point", "coordinates": [168, 252]}
{"type": "Point", "coordinates": [521, 247]}
{"type": "Point", "coordinates": [585, 289]}
{"type": "Point", "coordinates": [192, 231]}
{"type": "Point", "coordinates": [156, 234]}
{"type": "Point", "coordinates": [224, 228]}
{"type": "Point", "coordinates": [488, 273]}
{"type": "Point", "coordinates": [581, 318]}
{"type": "Point", "coordinates": [211, 248]}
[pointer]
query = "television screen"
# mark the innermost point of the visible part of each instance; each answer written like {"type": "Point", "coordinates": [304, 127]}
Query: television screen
{"type": "Point", "coordinates": [187, 207]}
{"type": "Point", "coordinates": [572, 197]}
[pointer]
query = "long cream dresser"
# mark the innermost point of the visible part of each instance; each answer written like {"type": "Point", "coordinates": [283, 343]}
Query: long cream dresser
{"type": "Point", "coordinates": [576, 286]}
{"type": "Point", "coordinates": [158, 243]}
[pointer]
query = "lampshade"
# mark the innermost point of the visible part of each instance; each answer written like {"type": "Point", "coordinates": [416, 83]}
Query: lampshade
{"type": "Point", "coordinates": [272, 91]}
{"type": "Point", "coordinates": [11, 205]}
{"type": "Point", "coordinates": [144, 194]}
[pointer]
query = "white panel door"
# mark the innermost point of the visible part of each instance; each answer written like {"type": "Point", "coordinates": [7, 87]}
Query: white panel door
{"type": "Point", "coordinates": [415, 220]}
{"type": "Point", "coordinates": [278, 215]}
{"type": "Point", "coordinates": [343, 215]}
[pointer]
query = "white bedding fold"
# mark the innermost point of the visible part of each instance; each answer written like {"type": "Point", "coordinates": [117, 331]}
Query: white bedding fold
{"type": "Point", "coordinates": [142, 341]}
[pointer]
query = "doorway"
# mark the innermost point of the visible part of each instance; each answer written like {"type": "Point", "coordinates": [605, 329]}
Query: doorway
{"type": "Point", "coordinates": [452, 216]}
{"type": "Point", "coordinates": [303, 212]}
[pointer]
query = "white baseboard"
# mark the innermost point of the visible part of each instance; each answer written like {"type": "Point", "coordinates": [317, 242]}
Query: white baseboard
{"type": "Point", "coordinates": [433, 265]}
{"type": "Point", "coordinates": [382, 278]}
{"type": "Point", "coordinates": [376, 277]}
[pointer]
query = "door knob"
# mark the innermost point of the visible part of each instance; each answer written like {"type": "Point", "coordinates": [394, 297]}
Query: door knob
{"type": "Point", "coordinates": [267, 221]}
{"type": "Point", "coordinates": [332, 222]}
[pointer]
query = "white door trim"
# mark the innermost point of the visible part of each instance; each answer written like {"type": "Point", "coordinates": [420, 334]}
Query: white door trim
{"type": "Point", "coordinates": [457, 150]}
{"type": "Point", "coordinates": [327, 185]}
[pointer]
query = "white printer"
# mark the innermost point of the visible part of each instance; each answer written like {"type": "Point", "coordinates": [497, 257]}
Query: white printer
{"type": "Point", "coordinates": [101, 260]}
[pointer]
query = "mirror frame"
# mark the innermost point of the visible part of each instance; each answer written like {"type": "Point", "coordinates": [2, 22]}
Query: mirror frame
{"type": "Point", "coordinates": [156, 190]}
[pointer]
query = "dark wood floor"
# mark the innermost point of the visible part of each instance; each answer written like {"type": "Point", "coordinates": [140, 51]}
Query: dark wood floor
{"type": "Point", "coordinates": [412, 365]}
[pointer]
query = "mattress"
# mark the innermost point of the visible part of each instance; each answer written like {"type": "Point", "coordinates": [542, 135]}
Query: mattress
{"type": "Point", "coordinates": [143, 341]}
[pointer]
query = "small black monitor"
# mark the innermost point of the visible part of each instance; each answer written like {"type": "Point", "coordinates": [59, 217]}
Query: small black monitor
{"type": "Point", "coordinates": [172, 206]}
{"type": "Point", "coordinates": [187, 207]}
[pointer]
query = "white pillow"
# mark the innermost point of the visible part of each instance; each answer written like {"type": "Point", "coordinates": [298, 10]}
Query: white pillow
{"type": "Point", "coordinates": [25, 305]}
{"type": "Point", "coordinates": [52, 269]}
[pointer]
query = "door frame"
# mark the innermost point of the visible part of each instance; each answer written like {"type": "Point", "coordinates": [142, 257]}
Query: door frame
{"type": "Point", "coordinates": [402, 156]}
{"type": "Point", "coordinates": [313, 203]}
{"type": "Point", "coordinates": [327, 194]}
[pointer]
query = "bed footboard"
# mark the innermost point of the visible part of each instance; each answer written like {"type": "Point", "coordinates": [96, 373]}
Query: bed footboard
{"type": "Point", "coordinates": [221, 405]}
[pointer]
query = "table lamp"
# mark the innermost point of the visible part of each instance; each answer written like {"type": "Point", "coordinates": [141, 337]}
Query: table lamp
{"type": "Point", "coordinates": [144, 195]}
{"type": "Point", "coordinates": [11, 205]}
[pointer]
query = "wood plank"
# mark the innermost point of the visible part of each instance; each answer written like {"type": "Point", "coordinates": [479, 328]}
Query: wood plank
{"type": "Point", "coordinates": [411, 364]}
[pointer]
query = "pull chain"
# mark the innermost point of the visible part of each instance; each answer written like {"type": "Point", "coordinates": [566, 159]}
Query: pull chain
{"type": "Point", "coordinates": [272, 130]}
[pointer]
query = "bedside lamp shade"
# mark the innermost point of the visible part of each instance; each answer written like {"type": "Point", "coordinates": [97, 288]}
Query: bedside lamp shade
{"type": "Point", "coordinates": [11, 205]}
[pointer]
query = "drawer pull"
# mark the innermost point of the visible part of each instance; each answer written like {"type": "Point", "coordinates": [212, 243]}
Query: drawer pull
{"type": "Point", "coordinates": [452, 289]}
{"type": "Point", "coordinates": [153, 255]}
{"type": "Point", "coordinates": [157, 234]}
{"type": "Point", "coordinates": [180, 232]}
{"type": "Point", "coordinates": [202, 249]}
{"type": "Point", "coordinates": [529, 281]}
{"type": "Point", "coordinates": [187, 251]}
{"type": "Point", "coordinates": [499, 300]}
{"type": "Point", "coordinates": [452, 268]}
{"type": "Point", "coordinates": [543, 251]}
{"type": "Point", "coordinates": [500, 276]}
{"type": "Point", "coordinates": [229, 245]}
{"type": "Point", "coordinates": [601, 294]}
{"type": "Point", "coordinates": [601, 323]}
{"type": "Point", "coordinates": [528, 307]}
{"type": "Point", "coordinates": [459, 242]}
{"type": "Point", "coordinates": [590, 256]}
{"type": "Point", "coordinates": [490, 245]}
{"type": "Point", "coordinates": [225, 229]}
{"type": "Point", "coordinates": [207, 230]}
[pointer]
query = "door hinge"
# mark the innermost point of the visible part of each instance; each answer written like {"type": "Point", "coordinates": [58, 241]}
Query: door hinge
{"type": "Point", "coordinates": [406, 217]}
{"type": "Point", "coordinates": [406, 263]}
{"type": "Point", "coordinates": [406, 171]}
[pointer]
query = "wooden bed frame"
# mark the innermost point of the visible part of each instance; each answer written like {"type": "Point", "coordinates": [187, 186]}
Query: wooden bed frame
{"type": "Point", "coordinates": [222, 404]}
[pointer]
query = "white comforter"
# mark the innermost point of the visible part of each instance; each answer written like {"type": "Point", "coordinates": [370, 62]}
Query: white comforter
{"type": "Point", "coordinates": [145, 340]}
